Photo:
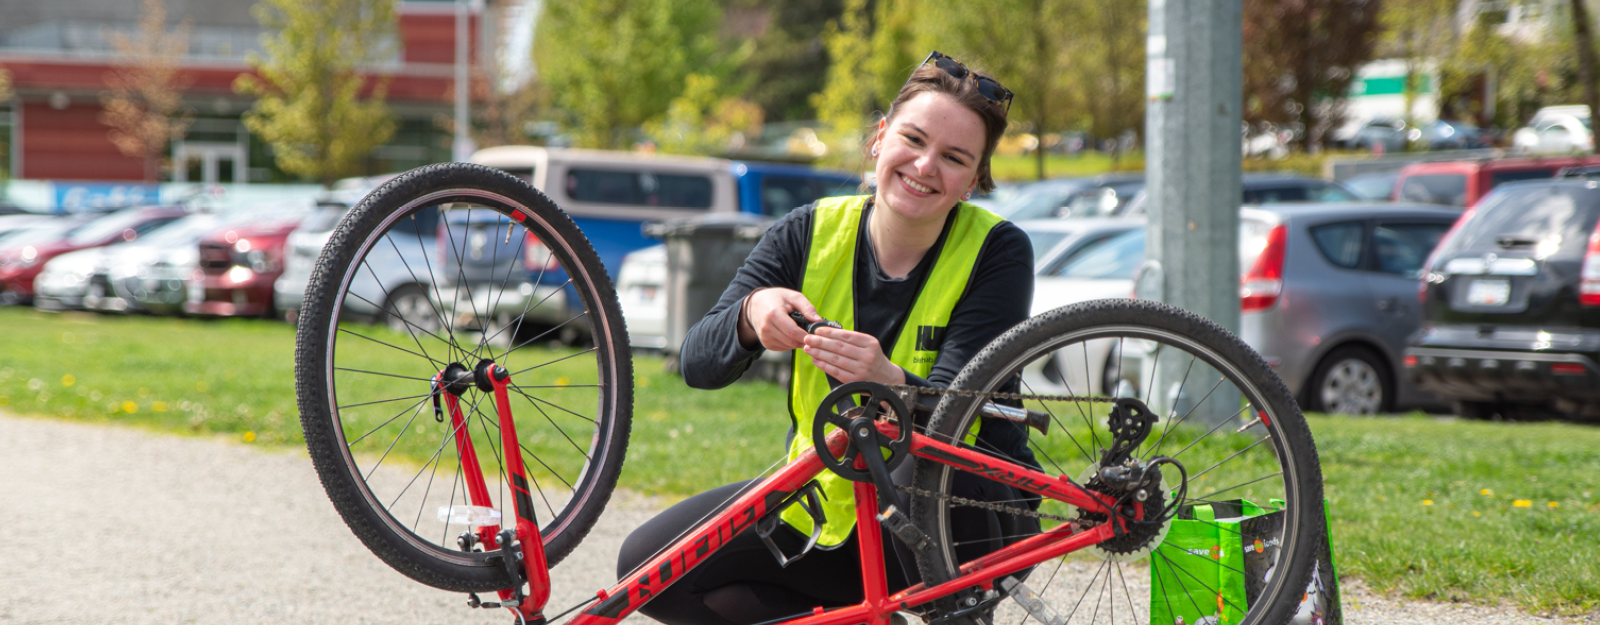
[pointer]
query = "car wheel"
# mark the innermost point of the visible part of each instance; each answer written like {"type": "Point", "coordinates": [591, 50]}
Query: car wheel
{"type": "Point", "coordinates": [1350, 380]}
{"type": "Point", "coordinates": [408, 310]}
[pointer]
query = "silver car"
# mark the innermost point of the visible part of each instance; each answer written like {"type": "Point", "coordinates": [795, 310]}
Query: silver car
{"type": "Point", "coordinates": [400, 279]}
{"type": "Point", "coordinates": [1329, 295]}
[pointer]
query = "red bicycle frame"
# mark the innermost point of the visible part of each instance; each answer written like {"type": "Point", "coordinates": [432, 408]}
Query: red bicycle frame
{"type": "Point", "coordinates": [694, 547]}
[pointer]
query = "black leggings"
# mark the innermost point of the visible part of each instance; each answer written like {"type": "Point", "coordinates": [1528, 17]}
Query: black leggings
{"type": "Point", "coordinates": [742, 584]}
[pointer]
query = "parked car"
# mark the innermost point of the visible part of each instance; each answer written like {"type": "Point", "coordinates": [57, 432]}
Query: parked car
{"type": "Point", "coordinates": [642, 293]}
{"type": "Point", "coordinates": [1463, 183]}
{"type": "Point", "coordinates": [1327, 296]}
{"type": "Point", "coordinates": [17, 221]}
{"type": "Point", "coordinates": [1560, 129]}
{"type": "Point", "coordinates": [1324, 291]}
{"type": "Point", "coordinates": [1269, 188]}
{"type": "Point", "coordinates": [136, 277]}
{"type": "Point", "coordinates": [1451, 135]}
{"type": "Point", "coordinates": [610, 195]}
{"type": "Point", "coordinates": [1373, 187]}
{"type": "Point", "coordinates": [1071, 197]}
{"type": "Point", "coordinates": [240, 262]}
{"type": "Point", "coordinates": [1059, 242]}
{"type": "Point", "coordinates": [20, 265]}
{"type": "Point", "coordinates": [395, 291]}
{"type": "Point", "coordinates": [1510, 323]}
{"type": "Point", "coordinates": [1378, 135]}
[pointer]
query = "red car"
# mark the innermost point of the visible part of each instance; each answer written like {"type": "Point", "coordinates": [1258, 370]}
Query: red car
{"type": "Point", "coordinates": [237, 268]}
{"type": "Point", "coordinates": [22, 262]}
{"type": "Point", "coordinates": [1462, 183]}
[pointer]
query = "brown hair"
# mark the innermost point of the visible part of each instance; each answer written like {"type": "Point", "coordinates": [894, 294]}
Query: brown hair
{"type": "Point", "coordinates": [931, 79]}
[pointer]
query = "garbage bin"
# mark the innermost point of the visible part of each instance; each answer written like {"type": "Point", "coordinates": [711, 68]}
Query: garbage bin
{"type": "Point", "coordinates": [703, 254]}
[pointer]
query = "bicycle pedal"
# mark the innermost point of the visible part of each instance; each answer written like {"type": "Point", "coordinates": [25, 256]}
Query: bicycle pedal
{"type": "Point", "coordinates": [1030, 601]}
{"type": "Point", "coordinates": [901, 526]}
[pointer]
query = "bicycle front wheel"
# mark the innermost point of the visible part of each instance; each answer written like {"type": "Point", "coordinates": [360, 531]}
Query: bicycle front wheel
{"type": "Point", "coordinates": [438, 271]}
{"type": "Point", "coordinates": [1232, 433]}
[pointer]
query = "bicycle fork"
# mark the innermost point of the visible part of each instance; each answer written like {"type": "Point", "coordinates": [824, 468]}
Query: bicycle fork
{"type": "Point", "coordinates": [528, 563]}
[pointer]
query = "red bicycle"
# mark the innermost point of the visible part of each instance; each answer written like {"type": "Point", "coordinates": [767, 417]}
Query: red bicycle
{"type": "Point", "coordinates": [472, 451]}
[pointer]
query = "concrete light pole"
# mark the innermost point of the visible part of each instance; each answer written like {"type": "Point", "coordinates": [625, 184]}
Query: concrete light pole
{"type": "Point", "coordinates": [1192, 165]}
{"type": "Point", "coordinates": [463, 146]}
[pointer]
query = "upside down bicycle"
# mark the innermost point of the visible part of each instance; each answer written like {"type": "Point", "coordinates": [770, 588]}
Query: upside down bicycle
{"type": "Point", "coordinates": [471, 451]}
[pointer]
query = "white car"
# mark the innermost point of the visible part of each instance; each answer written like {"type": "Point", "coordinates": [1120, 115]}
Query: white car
{"type": "Point", "coordinates": [642, 293]}
{"type": "Point", "coordinates": [1097, 264]}
{"type": "Point", "coordinates": [1560, 129]}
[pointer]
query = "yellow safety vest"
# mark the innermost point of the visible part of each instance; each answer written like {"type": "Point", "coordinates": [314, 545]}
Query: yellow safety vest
{"type": "Point", "coordinates": [830, 286]}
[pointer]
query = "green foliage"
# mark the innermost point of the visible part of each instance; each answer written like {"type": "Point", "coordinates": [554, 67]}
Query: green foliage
{"type": "Point", "coordinates": [613, 65]}
{"type": "Point", "coordinates": [310, 107]}
{"type": "Point", "coordinates": [701, 121]}
{"type": "Point", "coordinates": [1087, 76]}
{"type": "Point", "coordinates": [788, 63]}
{"type": "Point", "coordinates": [846, 98]}
{"type": "Point", "coordinates": [1297, 54]}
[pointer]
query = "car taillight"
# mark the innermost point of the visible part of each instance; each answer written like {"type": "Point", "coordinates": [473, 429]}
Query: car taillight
{"type": "Point", "coordinates": [1260, 286]}
{"type": "Point", "coordinates": [1433, 256]}
{"type": "Point", "coordinates": [537, 257]}
{"type": "Point", "coordinates": [1589, 279]}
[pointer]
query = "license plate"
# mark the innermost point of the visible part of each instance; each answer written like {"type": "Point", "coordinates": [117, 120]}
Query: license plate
{"type": "Point", "coordinates": [1489, 292]}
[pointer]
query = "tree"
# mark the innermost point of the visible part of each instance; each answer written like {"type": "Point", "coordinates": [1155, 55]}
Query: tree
{"type": "Point", "coordinates": [144, 103]}
{"type": "Point", "coordinates": [702, 121]}
{"type": "Point", "coordinates": [310, 106]}
{"type": "Point", "coordinates": [5, 96]}
{"type": "Point", "coordinates": [789, 61]}
{"type": "Point", "coordinates": [1106, 65]}
{"type": "Point", "coordinates": [1421, 31]}
{"type": "Point", "coordinates": [846, 97]}
{"type": "Point", "coordinates": [1023, 44]}
{"type": "Point", "coordinates": [1583, 40]}
{"type": "Point", "coordinates": [612, 65]}
{"type": "Point", "coordinates": [1300, 57]}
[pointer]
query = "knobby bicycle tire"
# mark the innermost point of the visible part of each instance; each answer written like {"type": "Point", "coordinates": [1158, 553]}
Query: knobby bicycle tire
{"type": "Point", "coordinates": [1067, 336]}
{"type": "Point", "coordinates": [363, 475]}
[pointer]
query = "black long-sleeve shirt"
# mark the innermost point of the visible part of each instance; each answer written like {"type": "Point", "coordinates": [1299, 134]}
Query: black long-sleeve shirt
{"type": "Point", "coordinates": [998, 296]}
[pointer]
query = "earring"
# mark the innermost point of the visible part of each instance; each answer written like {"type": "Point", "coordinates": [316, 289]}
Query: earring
{"type": "Point", "coordinates": [874, 151]}
{"type": "Point", "coordinates": [966, 197]}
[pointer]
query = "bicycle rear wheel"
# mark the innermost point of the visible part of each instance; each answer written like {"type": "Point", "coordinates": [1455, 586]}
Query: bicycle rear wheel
{"type": "Point", "coordinates": [450, 265]}
{"type": "Point", "coordinates": [1219, 411]}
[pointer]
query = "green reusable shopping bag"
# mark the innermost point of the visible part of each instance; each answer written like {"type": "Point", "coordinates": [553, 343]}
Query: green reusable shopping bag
{"type": "Point", "coordinates": [1216, 560]}
{"type": "Point", "coordinates": [1198, 570]}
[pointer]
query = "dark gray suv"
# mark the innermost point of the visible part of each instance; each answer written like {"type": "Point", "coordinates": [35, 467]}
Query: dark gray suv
{"type": "Point", "coordinates": [1512, 304]}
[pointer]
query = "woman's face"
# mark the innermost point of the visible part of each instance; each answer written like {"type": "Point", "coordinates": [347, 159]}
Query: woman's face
{"type": "Point", "coordinates": [928, 156]}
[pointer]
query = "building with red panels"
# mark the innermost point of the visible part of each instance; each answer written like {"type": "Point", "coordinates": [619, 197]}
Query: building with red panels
{"type": "Point", "coordinates": [59, 53]}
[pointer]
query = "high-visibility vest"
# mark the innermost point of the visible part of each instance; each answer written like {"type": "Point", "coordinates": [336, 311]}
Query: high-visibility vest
{"type": "Point", "coordinates": [829, 284]}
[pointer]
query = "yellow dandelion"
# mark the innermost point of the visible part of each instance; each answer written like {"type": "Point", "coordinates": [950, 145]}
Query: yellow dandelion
{"type": "Point", "coordinates": [1382, 498]}
{"type": "Point", "coordinates": [130, 407]}
{"type": "Point", "coordinates": [1486, 492]}
{"type": "Point", "coordinates": [1427, 502]}
{"type": "Point", "coordinates": [249, 436]}
{"type": "Point", "coordinates": [643, 382]}
{"type": "Point", "coordinates": [1555, 504]}
{"type": "Point", "coordinates": [4, 400]}
{"type": "Point", "coordinates": [68, 380]}
{"type": "Point", "coordinates": [1522, 503]}
{"type": "Point", "coordinates": [159, 406]}
{"type": "Point", "coordinates": [200, 386]}
{"type": "Point", "coordinates": [563, 381]}
{"type": "Point", "coordinates": [1476, 513]}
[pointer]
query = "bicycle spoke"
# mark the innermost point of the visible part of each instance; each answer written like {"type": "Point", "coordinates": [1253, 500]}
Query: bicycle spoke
{"type": "Point", "coordinates": [557, 360]}
{"type": "Point", "coordinates": [387, 422]}
{"type": "Point", "coordinates": [363, 336]}
{"type": "Point", "coordinates": [389, 375]}
{"type": "Point", "coordinates": [382, 401]}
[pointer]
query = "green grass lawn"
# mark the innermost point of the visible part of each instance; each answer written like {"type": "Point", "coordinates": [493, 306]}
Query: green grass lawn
{"type": "Point", "coordinates": [1422, 506]}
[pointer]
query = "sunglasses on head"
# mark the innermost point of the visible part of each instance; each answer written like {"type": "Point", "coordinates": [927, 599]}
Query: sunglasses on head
{"type": "Point", "coordinates": [989, 88]}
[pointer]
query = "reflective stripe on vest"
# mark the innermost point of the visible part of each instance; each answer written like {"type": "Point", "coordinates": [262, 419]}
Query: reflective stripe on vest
{"type": "Point", "coordinates": [830, 286]}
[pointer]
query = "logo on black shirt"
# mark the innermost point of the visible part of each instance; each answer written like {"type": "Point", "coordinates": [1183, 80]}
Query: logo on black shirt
{"type": "Point", "coordinates": [929, 338]}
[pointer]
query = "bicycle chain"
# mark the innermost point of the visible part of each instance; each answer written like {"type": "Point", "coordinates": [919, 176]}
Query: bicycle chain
{"type": "Point", "coordinates": [986, 505]}
{"type": "Point", "coordinates": [927, 390]}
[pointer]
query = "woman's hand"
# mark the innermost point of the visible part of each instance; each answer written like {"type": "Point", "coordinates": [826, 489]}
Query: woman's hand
{"type": "Point", "coordinates": [765, 319]}
{"type": "Point", "coordinates": [851, 357]}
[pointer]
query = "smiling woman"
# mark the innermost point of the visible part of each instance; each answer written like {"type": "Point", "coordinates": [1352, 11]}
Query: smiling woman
{"type": "Point", "coordinates": [919, 280]}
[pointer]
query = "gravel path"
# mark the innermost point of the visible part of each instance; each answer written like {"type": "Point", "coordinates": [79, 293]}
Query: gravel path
{"type": "Point", "coordinates": [158, 529]}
